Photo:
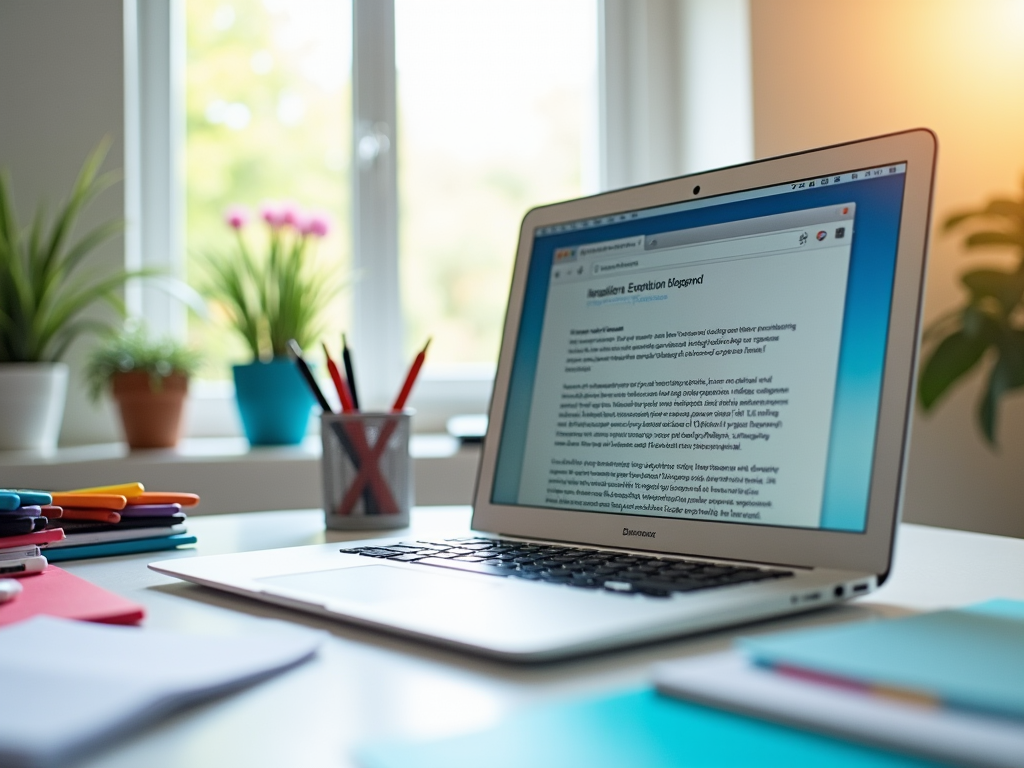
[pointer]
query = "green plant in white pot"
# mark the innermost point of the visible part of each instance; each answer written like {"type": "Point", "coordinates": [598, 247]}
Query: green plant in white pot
{"type": "Point", "coordinates": [45, 289]}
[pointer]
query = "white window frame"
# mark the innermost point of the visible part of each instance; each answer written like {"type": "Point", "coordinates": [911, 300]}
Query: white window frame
{"type": "Point", "coordinates": [674, 96]}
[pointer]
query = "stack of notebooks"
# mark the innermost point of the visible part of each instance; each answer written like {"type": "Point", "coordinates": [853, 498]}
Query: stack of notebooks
{"type": "Point", "coordinates": [24, 517]}
{"type": "Point", "coordinates": [41, 526]}
{"type": "Point", "coordinates": [117, 520]}
{"type": "Point", "coordinates": [946, 685]}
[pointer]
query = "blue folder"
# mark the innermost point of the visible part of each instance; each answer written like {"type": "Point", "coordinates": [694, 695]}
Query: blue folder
{"type": "Point", "coordinates": [109, 548]}
{"type": "Point", "coordinates": [635, 728]}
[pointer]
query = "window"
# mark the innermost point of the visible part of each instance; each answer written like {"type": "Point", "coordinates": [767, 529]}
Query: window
{"type": "Point", "coordinates": [496, 115]}
{"type": "Point", "coordinates": [498, 106]}
{"type": "Point", "coordinates": [268, 111]}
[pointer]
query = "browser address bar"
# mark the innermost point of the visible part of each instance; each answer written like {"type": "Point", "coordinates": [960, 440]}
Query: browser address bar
{"type": "Point", "coordinates": [753, 245]}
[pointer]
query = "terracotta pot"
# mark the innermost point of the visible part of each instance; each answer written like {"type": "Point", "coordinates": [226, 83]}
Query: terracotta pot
{"type": "Point", "coordinates": [151, 415]}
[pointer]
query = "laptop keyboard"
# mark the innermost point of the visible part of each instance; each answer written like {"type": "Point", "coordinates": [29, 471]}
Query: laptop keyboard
{"type": "Point", "coordinates": [573, 566]}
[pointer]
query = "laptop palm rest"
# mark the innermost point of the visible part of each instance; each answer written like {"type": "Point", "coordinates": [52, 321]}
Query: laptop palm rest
{"type": "Point", "coordinates": [379, 585]}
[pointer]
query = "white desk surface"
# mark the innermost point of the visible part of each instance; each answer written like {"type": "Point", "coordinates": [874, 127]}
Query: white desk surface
{"type": "Point", "coordinates": [366, 685]}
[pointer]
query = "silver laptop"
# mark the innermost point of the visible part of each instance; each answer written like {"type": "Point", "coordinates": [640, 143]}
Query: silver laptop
{"type": "Point", "coordinates": [700, 418]}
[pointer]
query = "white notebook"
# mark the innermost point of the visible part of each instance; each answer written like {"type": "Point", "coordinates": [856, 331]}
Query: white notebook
{"type": "Point", "coordinates": [80, 685]}
{"type": "Point", "coordinates": [114, 534]}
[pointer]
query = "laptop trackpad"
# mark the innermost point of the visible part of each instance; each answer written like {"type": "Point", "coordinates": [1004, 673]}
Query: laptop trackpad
{"type": "Point", "coordinates": [378, 585]}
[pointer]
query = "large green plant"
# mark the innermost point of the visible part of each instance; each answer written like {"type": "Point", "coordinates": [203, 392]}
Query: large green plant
{"type": "Point", "coordinates": [281, 295]}
{"type": "Point", "coordinates": [44, 290]}
{"type": "Point", "coordinates": [989, 328]}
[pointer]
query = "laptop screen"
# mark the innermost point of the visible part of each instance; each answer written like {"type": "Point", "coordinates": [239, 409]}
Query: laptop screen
{"type": "Point", "coordinates": [717, 359]}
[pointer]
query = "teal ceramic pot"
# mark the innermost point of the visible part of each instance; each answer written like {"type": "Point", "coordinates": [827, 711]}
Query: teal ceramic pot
{"type": "Point", "coordinates": [274, 402]}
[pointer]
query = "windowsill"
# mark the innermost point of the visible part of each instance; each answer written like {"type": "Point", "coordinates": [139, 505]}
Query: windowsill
{"type": "Point", "coordinates": [231, 476]}
{"type": "Point", "coordinates": [440, 393]}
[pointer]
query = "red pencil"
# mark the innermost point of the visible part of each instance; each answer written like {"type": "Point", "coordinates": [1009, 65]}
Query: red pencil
{"type": "Point", "coordinates": [347, 404]}
{"type": "Point", "coordinates": [410, 379]}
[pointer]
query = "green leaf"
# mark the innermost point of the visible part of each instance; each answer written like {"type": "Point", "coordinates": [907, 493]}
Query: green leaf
{"type": "Point", "coordinates": [49, 323]}
{"type": "Point", "coordinates": [86, 187]}
{"type": "Point", "coordinates": [1006, 287]}
{"type": "Point", "coordinates": [980, 239]}
{"type": "Point", "coordinates": [950, 360]}
{"type": "Point", "coordinates": [999, 208]}
{"type": "Point", "coordinates": [1010, 209]}
{"type": "Point", "coordinates": [39, 298]}
{"type": "Point", "coordinates": [1007, 374]}
{"type": "Point", "coordinates": [8, 224]}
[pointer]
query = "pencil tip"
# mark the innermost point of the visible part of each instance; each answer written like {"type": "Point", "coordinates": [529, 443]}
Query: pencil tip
{"type": "Point", "coordinates": [429, 339]}
{"type": "Point", "coordinates": [344, 341]}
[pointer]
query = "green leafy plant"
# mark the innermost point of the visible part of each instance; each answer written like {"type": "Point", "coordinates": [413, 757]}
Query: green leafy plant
{"type": "Point", "coordinates": [135, 350]}
{"type": "Point", "coordinates": [43, 287]}
{"type": "Point", "coordinates": [280, 296]}
{"type": "Point", "coordinates": [989, 328]}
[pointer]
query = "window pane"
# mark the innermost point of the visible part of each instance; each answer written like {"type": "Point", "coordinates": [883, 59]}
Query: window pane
{"type": "Point", "coordinates": [268, 118]}
{"type": "Point", "coordinates": [496, 116]}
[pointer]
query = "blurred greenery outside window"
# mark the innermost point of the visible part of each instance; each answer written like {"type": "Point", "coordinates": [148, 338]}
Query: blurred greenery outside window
{"type": "Point", "coordinates": [495, 116]}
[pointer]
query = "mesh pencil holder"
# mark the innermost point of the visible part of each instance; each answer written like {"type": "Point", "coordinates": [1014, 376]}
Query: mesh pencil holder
{"type": "Point", "coordinates": [367, 470]}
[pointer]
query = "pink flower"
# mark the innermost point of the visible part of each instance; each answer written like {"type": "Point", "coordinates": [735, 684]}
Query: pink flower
{"type": "Point", "coordinates": [273, 214]}
{"type": "Point", "coordinates": [291, 214]}
{"type": "Point", "coordinates": [237, 216]}
{"type": "Point", "coordinates": [315, 223]}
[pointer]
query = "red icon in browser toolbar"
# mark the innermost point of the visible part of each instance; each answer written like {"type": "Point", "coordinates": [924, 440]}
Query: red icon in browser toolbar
{"type": "Point", "coordinates": [822, 235]}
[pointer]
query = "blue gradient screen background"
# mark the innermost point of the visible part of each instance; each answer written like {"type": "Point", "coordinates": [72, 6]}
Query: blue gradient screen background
{"type": "Point", "coordinates": [879, 203]}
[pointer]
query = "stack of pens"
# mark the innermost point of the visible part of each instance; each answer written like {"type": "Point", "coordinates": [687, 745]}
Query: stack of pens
{"type": "Point", "coordinates": [363, 445]}
{"type": "Point", "coordinates": [24, 516]}
{"type": "Point", "coordinates": [117, 520]}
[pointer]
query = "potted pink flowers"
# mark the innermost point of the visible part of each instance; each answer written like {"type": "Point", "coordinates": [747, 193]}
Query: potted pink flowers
{"type": "Point", "coordinates": [273, 295]}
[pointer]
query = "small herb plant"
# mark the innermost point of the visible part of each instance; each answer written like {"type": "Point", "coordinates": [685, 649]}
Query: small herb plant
{"type": "Point", "coordinates": [134, 350]}
{"type": "Point", "coordinates": [989, 329]}
{"type": "Point", "coordinates": [44, 288]}
{"type": "Point", "coordinates": [280, 295]}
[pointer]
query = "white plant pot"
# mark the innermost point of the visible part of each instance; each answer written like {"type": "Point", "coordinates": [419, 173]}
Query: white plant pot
{"type": "Point", "coordinates": [31, 405]}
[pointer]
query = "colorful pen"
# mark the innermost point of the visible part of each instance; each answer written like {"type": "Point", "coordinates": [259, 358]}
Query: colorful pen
{"type": "Point", "coordinates": [410, 379]}
{"type": "Point", "coordinates": [307, 374]}
{"type": "Point", "coordinates": [128, 490]}
{"type": "Point", "coordinates": [344, 393]}
{"type": "Point", "coordinates": [350, 373]}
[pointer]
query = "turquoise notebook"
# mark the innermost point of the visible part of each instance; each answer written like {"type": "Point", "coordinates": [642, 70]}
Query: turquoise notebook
{"type": "Point", "coordinates": [637, 728]}
{"type": "Point", "coordinates": [109, 548]}
{"type": "Point", "coordinates": [971, 658]}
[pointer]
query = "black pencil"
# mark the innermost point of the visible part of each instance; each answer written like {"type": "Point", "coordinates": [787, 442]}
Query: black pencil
{"type": "Point", "coordinates": [307, 374]}
{"type": "Point", "coordinates": [350, 374]}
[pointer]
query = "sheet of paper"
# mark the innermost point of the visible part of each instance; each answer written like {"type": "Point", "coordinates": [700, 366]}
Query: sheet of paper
{"type": "Point", "coordinates": [94, 681]}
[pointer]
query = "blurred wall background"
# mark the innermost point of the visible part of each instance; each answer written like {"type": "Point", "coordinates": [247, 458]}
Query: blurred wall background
{"type": "Point", "coordinates": [827, 72]}
{"type": "Point", "coordinates": [61, 93]}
